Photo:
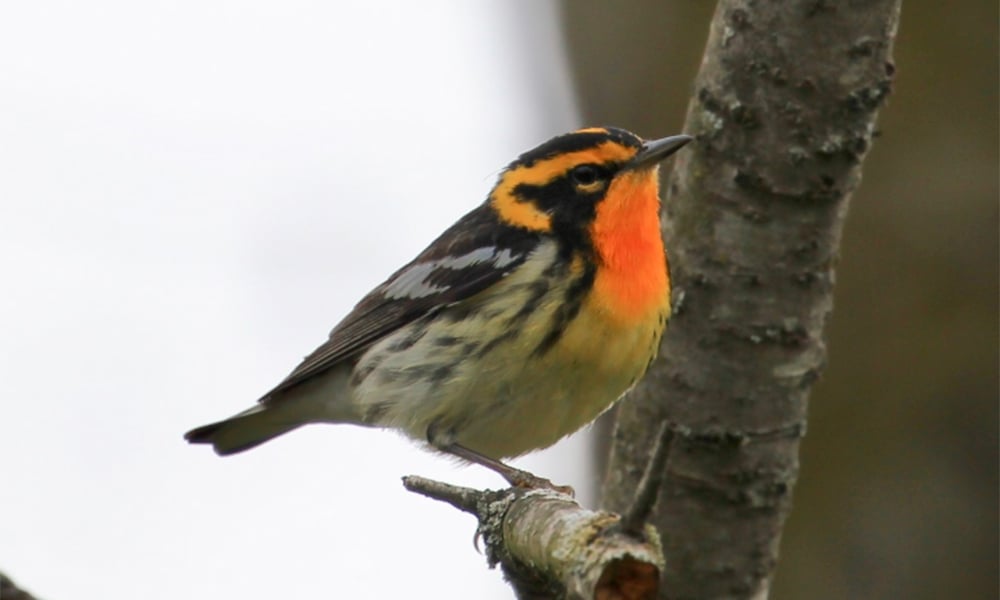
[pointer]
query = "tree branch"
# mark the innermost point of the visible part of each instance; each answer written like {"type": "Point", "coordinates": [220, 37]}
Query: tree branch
{"type": "Point", "coordinates": [10, 591]}
{"type": "Point", "coordinates": [783, 115]}
{"type": "Point", "coordinates": [550, 547]}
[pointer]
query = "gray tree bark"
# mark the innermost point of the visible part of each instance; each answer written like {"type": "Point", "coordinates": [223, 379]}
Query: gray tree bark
{"type": "Point", "coordinates": [783, 114]}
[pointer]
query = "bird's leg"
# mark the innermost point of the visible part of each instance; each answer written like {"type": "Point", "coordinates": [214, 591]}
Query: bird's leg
{"type": "Point", "coordinates": [515, 477]}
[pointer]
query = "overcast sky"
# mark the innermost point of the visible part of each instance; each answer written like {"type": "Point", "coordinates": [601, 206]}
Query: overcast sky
{"type": "Point", "coordinates": [191, 195]}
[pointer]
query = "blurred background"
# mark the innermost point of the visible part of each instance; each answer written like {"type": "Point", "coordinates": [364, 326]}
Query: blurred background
{"type": "Point", "coordinates": [193, 193]}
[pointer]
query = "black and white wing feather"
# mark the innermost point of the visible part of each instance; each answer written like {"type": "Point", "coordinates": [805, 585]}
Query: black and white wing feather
{"type": "Point", "coordinates": [469, 257]}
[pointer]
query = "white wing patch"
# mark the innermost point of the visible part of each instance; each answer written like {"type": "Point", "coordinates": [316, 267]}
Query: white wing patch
{"type": "Point", "coordinates": [414, 281]}
{"type": "Point", "coordinates": [504, 258]}
{"type": "Point", "coordinates": [411, 283]}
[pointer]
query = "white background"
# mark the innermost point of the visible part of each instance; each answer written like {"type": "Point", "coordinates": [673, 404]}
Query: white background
{"type": "Point", "coordinates": [191, 195]}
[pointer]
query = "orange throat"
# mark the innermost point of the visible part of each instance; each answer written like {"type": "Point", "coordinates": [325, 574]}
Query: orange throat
{"type": "Point", "coordinates": [632, 281]}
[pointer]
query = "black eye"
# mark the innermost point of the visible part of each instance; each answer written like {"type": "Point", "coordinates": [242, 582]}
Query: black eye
{"type": "Point", "coordinates": [585, 175]}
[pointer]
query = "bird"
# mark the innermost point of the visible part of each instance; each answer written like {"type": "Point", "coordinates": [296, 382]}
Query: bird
{"type": "Point", "coordinates": [520, 324]}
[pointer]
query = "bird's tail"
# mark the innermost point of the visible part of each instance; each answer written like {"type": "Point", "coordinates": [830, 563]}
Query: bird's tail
{"type": "Point", "coordinates": [247, 429]}
{"type": "Point", "coordinates": [323, 399]}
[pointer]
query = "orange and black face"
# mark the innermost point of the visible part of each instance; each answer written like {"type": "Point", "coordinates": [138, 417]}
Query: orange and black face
{"type": "Point", "coordinates": [558, 187]}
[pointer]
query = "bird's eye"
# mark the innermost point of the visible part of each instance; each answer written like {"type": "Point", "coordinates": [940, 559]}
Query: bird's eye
{"type": "Point", "coordinates": [585, 175]}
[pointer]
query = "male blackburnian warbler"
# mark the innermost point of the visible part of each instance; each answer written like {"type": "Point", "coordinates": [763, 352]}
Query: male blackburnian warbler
{"type": "Point", "coordinates": [519, 325]}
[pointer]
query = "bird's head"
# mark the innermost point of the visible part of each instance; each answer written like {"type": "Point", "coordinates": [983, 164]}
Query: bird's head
{"type": "Point", "coordinates": [560, 186]}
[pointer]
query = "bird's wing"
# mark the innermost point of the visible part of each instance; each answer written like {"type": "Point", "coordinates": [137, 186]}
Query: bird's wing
{"type": "Point", "coordinates": [469, 257]}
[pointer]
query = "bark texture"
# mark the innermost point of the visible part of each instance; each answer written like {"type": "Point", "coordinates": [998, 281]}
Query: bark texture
{"type": "Point", "coordinates": [783, 114]}
{"type": "Point", "coordinates": [550, 547]}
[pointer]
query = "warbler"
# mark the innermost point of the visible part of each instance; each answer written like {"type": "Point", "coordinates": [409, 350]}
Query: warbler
{"type": "Point", "coordinates": [519, 325]}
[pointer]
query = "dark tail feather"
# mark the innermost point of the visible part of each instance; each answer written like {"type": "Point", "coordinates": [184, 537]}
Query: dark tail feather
{"type": "Point", "coordinates": [246, 430]}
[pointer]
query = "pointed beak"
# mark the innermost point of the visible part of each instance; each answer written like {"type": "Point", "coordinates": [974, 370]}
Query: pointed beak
{"type": "Point", "coordinates": [654, 151]}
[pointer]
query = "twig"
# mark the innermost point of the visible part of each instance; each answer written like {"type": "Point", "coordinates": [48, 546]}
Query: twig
{"type": "Point", "coordinates": [635, 516]}
{"type": "Point", "coordinates": [10, 591]}
{"type": "Point", "coordinates": [462, 498]}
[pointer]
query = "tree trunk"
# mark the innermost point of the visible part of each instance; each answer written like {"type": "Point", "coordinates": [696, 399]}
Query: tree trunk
{"type": "Point", "coordinates": [783, 114]}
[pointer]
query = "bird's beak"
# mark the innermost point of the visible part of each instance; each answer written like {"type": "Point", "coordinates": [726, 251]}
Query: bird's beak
{"type": "Point", "coordinates": [654, 151]}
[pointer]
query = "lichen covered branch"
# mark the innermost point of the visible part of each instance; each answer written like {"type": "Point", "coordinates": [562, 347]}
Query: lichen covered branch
{"type": "Point", "coordinates": [550, 547]}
